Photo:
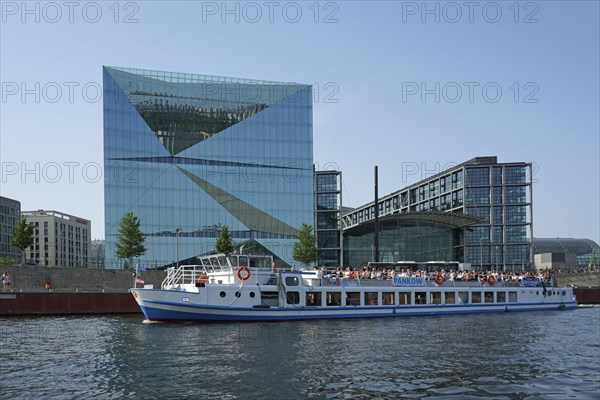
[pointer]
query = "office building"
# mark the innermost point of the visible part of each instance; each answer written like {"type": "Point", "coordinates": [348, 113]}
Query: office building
{"type": "Point", "coordinates": [59, 239]}
{"type": "Point", "coordinates": [188, 154]}
{"type": "Point", "coordinates": [10, 211]}
{"type": "Point", "coordinates": [328, 210]}
{"type": "Point", "coordinates": [478, 212]}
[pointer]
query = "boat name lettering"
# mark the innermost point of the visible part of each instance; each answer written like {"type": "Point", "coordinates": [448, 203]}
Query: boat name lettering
{"type": "Point", "coordinates": [408, 280]}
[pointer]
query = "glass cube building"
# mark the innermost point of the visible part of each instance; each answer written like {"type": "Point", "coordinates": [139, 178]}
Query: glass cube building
{"type": "Point", "coordinates": [190, 153]}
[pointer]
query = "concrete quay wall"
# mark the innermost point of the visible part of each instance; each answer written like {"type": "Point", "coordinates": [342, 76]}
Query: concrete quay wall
{"type": "Point", "coordinates": [66, 303]}
{"type": "Point", "coordinates": [28, 279]}
{"type": "Point", "coordinates": [580, 280]}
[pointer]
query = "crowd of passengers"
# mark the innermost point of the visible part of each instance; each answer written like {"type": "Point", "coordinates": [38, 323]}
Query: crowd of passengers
{"type": "Point", "coordinates": [338, 274]}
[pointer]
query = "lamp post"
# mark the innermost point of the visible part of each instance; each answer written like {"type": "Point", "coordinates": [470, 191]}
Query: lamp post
{"type": "Point", "coordinates": [177, 230]}
{"type": "Point", "coordinates": [480, 254]}
{"type": "Point", "coordinates": [496, 263]}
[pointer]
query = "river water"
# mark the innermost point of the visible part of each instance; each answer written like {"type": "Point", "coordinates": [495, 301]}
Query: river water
{"type": "Point", "coordinates": [535, 355]}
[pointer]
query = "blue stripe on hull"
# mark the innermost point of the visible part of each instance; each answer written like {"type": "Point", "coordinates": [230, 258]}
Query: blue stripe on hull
{"type": "Point", "coordinates": [158, 314]}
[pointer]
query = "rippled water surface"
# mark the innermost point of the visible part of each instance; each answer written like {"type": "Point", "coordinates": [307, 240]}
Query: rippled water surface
{"type": "Point", "coordinates": [543, 355]}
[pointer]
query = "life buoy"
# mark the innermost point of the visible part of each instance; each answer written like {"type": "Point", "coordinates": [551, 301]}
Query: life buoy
{"type": "Point", "coordinates": [491, 280]}
{"type": "Point", "coordinates": [439, 279]}
{"type": "Point", "coordinates": [246, 272]}
{"type": "Point", "coordinates": [202, 279]}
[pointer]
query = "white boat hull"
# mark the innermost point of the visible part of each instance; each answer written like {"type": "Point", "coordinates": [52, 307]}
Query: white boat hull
{"type": "Point", "coordinates": [167, 305]}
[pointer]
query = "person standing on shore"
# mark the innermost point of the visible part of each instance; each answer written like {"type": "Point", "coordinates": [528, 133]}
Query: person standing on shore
{"type": "Point", "coordinates": [6, 281]}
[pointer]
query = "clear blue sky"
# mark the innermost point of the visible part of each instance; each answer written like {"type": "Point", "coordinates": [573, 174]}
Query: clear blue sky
{"type": "Point", "coordinates": [369, 62]}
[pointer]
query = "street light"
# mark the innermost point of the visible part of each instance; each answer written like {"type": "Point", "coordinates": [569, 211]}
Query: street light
{"type": "Point", "coordinates": [496, 263]}
{"type": "Point", "coordinates": [177, 230]}
{"type": "Point", "coordinates": [481, 254]}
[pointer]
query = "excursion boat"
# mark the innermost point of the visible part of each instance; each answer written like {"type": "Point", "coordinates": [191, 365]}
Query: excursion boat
{"type": "Point", "coordinates": [250, 288]}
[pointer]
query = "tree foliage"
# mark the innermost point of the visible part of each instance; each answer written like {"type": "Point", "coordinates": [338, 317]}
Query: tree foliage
{"type": "Point", "coordinates": [22, 236]}
{"type": "Point", "coordinates": [224, 242]}
{"type": "Point", "coordinates": [305, 249]}
{"type": "Point", "coordinates": [131, 239]}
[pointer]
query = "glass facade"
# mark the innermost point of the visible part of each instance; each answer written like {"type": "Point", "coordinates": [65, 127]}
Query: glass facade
{"type": "Point", "coordinates": [328, 208]}
{"type": "Point", "coordinates": [498, 195]}
{"type": "Point", "coordinates": [190, 153]}
{"type": "Point", "coordinates": [402, 241]}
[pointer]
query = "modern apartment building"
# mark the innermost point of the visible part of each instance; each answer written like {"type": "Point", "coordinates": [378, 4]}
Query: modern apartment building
{"type": "Point", "coordinates": [59, 239]}
{"type": "Point", "coordinates": [10, 211]}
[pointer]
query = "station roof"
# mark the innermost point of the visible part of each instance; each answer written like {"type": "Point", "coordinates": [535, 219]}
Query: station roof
{"type": "Point", "coordinates": [564, 245]}
{"type": "Point", "coordinates": [443, 219]}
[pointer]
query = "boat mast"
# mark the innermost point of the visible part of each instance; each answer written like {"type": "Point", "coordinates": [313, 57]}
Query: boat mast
{"type": "Point", "coordinates": [376, 228]}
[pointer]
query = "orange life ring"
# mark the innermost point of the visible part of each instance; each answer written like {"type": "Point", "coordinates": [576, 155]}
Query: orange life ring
{"type": "Point", "coordinates": [491, 280]}
{"type": "Point", "coordinates": [202, 279]}
{"type": "Point", "coordinates": [247, 273]}
{"type": "Point", "coordinates": [439, 279]}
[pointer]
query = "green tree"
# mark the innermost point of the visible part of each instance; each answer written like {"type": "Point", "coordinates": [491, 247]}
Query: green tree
{"type": "Point", "coordinates": [22, 236]}
{"type": "Point", "coordinates": [305, 249]}
{"type": "Point", "coordinates": [224, 242]}
{"type": "Point", "coordinates": [131, 239]}
{"type": "Point", "coordinates": [6, 261]}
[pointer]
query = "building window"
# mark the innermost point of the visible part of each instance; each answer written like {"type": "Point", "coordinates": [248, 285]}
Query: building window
{"type": "Point", "coordinates": [515, 174]}
{"type": "Point", "coordinates": [476, 196]}
{"type": "Point", "coordinates": [478, 176]}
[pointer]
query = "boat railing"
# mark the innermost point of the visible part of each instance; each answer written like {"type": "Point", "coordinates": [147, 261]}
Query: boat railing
{"type": "Point", "coordinates": [187, 274]}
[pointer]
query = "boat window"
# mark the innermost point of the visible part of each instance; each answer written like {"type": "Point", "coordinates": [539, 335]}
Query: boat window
{"type": "Point", "coordinates": [370, 298]}
{"type": "Point", "coordinates": [387, 298]}
{"type": "Point", "coordinates": [564, 293]}
{"type": "Point", "coordinates": [293, 297]}
{"type": "Point", "coordinates": [237, 294]}
{"type": "Point", "coordinates": [222, 294]}
{"type": "Point", "coordinates": [404, 298]}
{"type": "Point", "coordinates": [420, 298]}
{"type": "Point", "coordinates": [252, 294]}
{"type": "Point", "coordinates": [313, 299]}
{"type": "Point", "coordinates": [353, 298]}
{"type": "Point", "coordinates": [292, 281]}
{"type": "Point", "coordinates": [501, 297]}
{"type": "Point", "coordinates": [270, 299]}
{"type": "Point", "coordinates": [334, 298]}
{"type": "Point", "coordinates": [512, 297]}
{"type": "Point", "coordinates": [475, 297]}
{"type": "Point", "coordinates": [488, 297]}
{"type": "Point", "coordinates": [450, 298]}
{"type": "Point", "coordinates": [435, 298]}
{"type": "Point", "coordinates": [463, 297]}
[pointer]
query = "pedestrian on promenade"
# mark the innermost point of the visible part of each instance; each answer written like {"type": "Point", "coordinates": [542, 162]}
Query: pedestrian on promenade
{"type": "Point", "coordinates": [6, 281]}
